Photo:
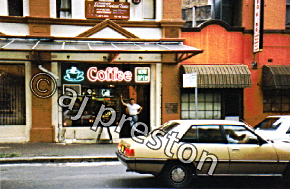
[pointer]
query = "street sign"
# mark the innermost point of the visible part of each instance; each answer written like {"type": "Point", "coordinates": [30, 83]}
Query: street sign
{"type": "Point", "coordinates": [190, 80]}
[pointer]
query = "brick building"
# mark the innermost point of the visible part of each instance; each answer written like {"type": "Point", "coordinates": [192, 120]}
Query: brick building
{"type": "Point", "coordinates": [224, 30]}
{"type": "Point", "coordinates": [84, 45]}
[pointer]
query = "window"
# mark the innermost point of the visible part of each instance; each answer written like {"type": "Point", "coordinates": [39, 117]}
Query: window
{"type": "Point", "coordinates": [288, 12]}
{"type": "Point", "coordinates": [15, 7]}
{"type": "Point", "coordinates": [288, 131]}
{"type": "Point", "coordinates": [195, 12]}
{"type": "Point", "coordinates": [63, 8]}
{"type": "Point", "coordinates": [165, 128]}
{"type": "Point", "coordinates": [203, 134]}
{"type": "Point", "coordinates": [270, 123]}
{"type": "Point", "coordinates": [239, 135]}
{"type": "Point", "coordinates": [209, 105]}
{"type": "Point", "coordinates": [149, 9]}
{"type": "Point", "coordinates": [97, 98]}
{"type": "Point", "coordinates": [276, 101]}
{"type": "Point", "coordinates": [12, 94]}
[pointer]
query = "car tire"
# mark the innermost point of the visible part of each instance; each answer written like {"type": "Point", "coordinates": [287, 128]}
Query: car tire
{"type": "Point", "coordinates": [286, 175]}
{"type": "Point", "coordinates": [177, 174]}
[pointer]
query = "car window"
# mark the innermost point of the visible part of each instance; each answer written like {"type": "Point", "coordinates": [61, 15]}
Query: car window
{"type": "Point", "coordinates": [163, 129]}
{"type": "Point", "coordinates": [239, 135]}
{"type": "Point", "coordinates": [203, 134]}
{"type": "Point", "coordinates": [271, 123]}
{"type": "Point", "coordinates": [288, 132]}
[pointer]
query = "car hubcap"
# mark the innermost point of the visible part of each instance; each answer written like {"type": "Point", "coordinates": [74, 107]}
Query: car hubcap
{"type": "Point", "coordinates": [177, 175]}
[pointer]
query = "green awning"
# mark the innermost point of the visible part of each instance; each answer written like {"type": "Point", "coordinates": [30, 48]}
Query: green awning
{"type": "Point", "coordinates": [276, 77]}
{"type": "Point", "coordinates": [220, 76]}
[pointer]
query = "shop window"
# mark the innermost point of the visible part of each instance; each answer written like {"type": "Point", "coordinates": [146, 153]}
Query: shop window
{"type": "Point", "coordinates": [209, 105]}
{"type": "Point", "coordinates": [276, 101]}
{"type": "Point", "coordinates": [195, 12]}
{"type": "Point", "coordinates": [98, 96]}
{"type": "Point", "coordinates": [63, 8]}
{"type": "Point", "coordinates": [12, 94]}
{"type": "Point", "coordinates": [288, 12]}
{"type": "Point", "coordinates": [15, 7]}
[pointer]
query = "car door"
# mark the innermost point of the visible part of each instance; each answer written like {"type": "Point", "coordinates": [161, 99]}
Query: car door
{"type": "Point", "coordinates": [211, 148]}
{"type": "Point", "coordinates": [247, 156]}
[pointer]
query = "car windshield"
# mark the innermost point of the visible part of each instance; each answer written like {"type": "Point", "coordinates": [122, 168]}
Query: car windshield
{"type": "Point", "coordinates": [165, 128]}
{"type": "Point", "coordinates": [271, 123]}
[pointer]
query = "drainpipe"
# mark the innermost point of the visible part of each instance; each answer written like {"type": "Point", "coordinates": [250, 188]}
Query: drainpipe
{"type": "Point", "coordinates": [158, 93]}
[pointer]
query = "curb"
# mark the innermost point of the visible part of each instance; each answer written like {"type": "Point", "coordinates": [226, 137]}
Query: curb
{"type": "Point", "coordinates": [57, 159]}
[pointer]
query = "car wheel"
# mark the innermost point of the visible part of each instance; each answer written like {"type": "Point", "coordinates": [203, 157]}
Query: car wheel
{"type": "Point", "coordinates": [286, 174]}
{"type": "Point", "coordinates": [177, 174]}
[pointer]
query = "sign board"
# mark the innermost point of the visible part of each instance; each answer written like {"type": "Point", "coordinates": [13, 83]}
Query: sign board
{"type": "Point", "coordinates": [103, 74]}
{"type": "Point", "coordinates": [108, 10]}
{"type": "Point", "coordinates": [190, 80]}
{"type": "Point", "coordinates": [257, 15]}
{"type": "Point", "coordinates": [142, 74]}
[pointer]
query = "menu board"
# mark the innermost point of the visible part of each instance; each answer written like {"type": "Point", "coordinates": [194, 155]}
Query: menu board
{"type": "Point", "coordinates": [108, 10]}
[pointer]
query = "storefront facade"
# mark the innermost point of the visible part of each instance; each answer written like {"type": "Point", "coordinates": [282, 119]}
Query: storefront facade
{"type": "Point", "coordinates": [220, 92]}
{"type": "Point", "coordinates": [103, 84]}
{"type": "Point", "coordinates": [59, 22]}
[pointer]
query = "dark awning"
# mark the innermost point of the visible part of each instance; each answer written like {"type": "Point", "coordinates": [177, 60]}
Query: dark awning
{"type": "Point", "coordinates": [220, 76]}
{"type": "Point", "coordinates": [276, 77]}
{"type": "Point", "coordinates": [181, 52]}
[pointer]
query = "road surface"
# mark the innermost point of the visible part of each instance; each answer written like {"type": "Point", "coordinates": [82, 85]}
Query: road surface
{"type": "Point", "coordinates": [108, 175]}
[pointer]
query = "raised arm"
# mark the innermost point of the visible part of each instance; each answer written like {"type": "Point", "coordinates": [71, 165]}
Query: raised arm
{"type": "Point", "coordinates": [123, 101]}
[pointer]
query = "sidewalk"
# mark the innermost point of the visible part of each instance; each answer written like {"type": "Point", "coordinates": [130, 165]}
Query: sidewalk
{"type": "Point", "coordinates": [56, 152]}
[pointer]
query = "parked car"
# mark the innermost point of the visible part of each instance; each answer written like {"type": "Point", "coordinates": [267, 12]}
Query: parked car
{"type": "Point", "coordinates": [276, 128]}
{"type": "Point", "coordinates": [181, 149]}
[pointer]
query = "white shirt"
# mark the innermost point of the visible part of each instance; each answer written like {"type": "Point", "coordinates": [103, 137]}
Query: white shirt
{"type": "Point", "coordinates": [133, 109]}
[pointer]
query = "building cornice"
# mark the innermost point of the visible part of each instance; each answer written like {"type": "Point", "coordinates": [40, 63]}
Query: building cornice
{"type": "Point", "coordinates": [52, 38]}
{"type": "Point", "coordinates": [84, 22]}
{"type": "Point", "coordinates": [233, 28]}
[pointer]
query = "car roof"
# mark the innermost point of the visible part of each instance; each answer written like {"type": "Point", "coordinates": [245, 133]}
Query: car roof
{"type": "Point", "coordinates": [208, 121]}
{"type": "Point", "coordinates": [287, 116]}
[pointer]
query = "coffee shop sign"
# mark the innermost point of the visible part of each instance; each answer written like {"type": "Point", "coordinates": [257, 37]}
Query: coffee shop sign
{"type": "Point", "coordinates": [110, 74]}
{"type": "Point", "coordinates": [142, 75]}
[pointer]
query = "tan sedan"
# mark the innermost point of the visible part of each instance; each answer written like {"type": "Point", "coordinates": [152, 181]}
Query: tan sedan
{"type": "Point", "coordinates": [181, 149]}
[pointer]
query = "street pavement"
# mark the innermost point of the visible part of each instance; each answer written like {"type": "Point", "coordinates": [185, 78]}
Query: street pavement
{"type": "Point", "coordinates": [56, 152]}
{"type": "Point", "coordinates": [111, 175]}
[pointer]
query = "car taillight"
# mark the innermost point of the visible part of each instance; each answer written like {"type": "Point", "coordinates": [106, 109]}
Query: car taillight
{"type": "Point", "coordinates": [129, 152]}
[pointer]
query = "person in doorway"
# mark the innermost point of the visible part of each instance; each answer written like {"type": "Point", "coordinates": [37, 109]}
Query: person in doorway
{"type": "Point", "coordinates": [133, 110]}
